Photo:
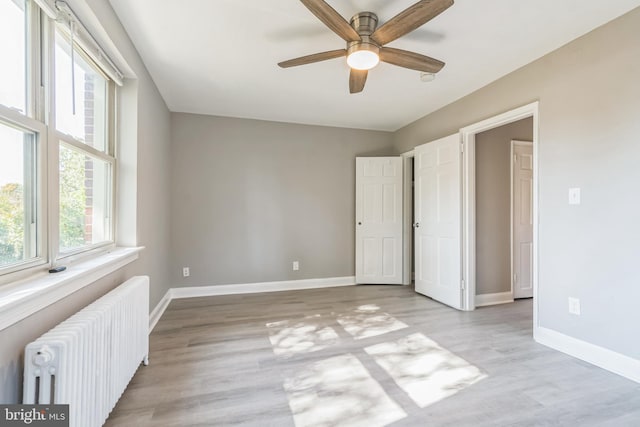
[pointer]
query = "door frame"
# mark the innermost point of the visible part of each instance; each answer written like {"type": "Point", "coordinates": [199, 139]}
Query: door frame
{"type": "Point", "coordinates": [513, 144]}
{"type": "Point", "coordinates": [468, 135]}
{"type": "Point", "coordinates": [407, 222]}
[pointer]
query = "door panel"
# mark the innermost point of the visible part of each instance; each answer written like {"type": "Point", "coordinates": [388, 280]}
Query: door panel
{"type": "Point", "coordinates": [389, 257]}
{"type": "Point", "coordinates": [522, 221]}
{"type": "Point", "coordinates": [379, 220]}
{"type": "Point", "coordinates": [371, 255]}
{"type": "Point", "coordinates": [389, 204]}
{"type": "Point", "coordinates": [438, 193]}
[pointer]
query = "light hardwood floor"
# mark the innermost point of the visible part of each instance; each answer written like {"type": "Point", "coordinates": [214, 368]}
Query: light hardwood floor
{"type": "Point", "coordinates": [362, 355]}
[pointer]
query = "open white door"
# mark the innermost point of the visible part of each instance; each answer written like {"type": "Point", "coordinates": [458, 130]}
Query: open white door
{"type": "Point", "coordinates": [379, 220]}
{"type": "Point", "coordinates": [438, 195]}
{"type": "Point", "coordinates": [522, 199]}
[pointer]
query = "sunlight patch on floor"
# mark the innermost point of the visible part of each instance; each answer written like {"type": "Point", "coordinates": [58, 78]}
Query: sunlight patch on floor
{"type": "Point", "coordinates": [367, 321]}
{"type": "Point", "coordinates": [339, 391]}
{"type": "Point", "coordinates": [289, 337]}
{"type": "Point", "coordinates": [426, 371]}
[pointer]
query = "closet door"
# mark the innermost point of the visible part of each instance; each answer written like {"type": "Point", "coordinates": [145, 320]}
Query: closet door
{"type": "Point", "coordinates": [379, 220]}
{"type": "Point", "coordinates": [522, 199]}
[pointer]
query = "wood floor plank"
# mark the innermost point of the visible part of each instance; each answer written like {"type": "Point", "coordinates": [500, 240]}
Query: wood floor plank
{"type": "Point", "coordinates": [239, 360]}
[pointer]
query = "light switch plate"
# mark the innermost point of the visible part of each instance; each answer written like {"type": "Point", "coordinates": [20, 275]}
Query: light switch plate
{"type": "Point", "coordinates": [574, 306]}
{"type": "Point", "coordinates": [296, 266]}
{"type": "Point", "coordinates": [574, 196]}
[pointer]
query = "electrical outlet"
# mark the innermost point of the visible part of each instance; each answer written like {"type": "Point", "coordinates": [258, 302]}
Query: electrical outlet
{"type": "Point", "coordinates": [574, 306]}
{"type": "Point", "coordinates": [185, 272]}
{"type": "Point", "coordinates": [296, 266]}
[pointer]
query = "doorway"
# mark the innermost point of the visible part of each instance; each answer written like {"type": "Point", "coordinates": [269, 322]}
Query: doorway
{"type": "Point", "coordinates": [468, 202]}
{"type": "Point", "coordinates": [469, 224]}
{"type": "Point", "coordinates": [503, 224]}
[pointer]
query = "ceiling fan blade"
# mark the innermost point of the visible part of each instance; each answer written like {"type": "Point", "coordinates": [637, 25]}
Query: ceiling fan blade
{"type": "Point", "coordinates": [316, 57]}
{"type": "Point", "coordinates": [357, 79]}
{"type": "Point", "coordinates": [332, 19]}
{"type": "Point", "coordinates": [410, 19]}
{"type": "Point", "coordinates": [412, 60]}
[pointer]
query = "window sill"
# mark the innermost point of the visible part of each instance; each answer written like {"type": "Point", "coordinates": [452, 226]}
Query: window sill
{"type": "Point", "coordinates": [21, 299]}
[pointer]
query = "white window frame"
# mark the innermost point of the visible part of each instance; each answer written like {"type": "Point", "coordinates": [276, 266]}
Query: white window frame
{"type": "Point", "coordinates": [108, 156]}
{"type": "Point", "coordinates": [32, 121]}
{"type": "Point", "coordinates": [39, 118]}
{"type": "Point", "coordinates": [10, 117]}
{"type": "Point", "coordinates": [27, 289]}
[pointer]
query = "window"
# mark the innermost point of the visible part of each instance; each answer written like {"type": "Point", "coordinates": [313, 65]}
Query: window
{"type": "Point", "coordinates": [13, 73]}
{"type": "Point", "coordinates": [85, 195]}
{"type": "Point", "coordinates": [17, 196]}
{"type": "Point", "coordinates": [85, 163]}
{"type": "Point", "coordinates": [21, 237]}
{"type": "Point", "coordinates": [81, 96]}
{"type": "Point", "coordinates": [57, 118]}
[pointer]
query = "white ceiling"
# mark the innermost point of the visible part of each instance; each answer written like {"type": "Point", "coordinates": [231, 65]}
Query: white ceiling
{"type": "Point", "coordinates": [219, 57]}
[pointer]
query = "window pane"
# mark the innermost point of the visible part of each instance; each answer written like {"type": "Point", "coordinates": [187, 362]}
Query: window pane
{"type": "Point", "coordinates": [17, 189]}
{"type": "Point", "coordinates": [13, 71]}
{"type": "Point", "coordinates": [86, 121]}
{"type": "Point", "coordinates": [85, 211]}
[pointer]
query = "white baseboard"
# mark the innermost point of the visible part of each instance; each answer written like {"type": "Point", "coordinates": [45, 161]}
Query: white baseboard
{"type": "Point", "coordinates": [250, 288]}
{"type": "Point", "coordinates": [604, 358]}
{"type": "Point", "coordinates": [493, 299]}
{"type": "Point", "coordinates": [159, 309]}
{"type": "Point", "coordinates": [244, 288]}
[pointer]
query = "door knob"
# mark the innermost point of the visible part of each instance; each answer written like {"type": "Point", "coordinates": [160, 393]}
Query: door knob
{"type": "Point", "coordinates": [359, 223]}
{"type": "Point", "coordinates": [416, 225]}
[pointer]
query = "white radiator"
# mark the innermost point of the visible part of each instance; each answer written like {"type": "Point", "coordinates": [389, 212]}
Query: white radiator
{"type": "Point", "coordinates": [88, 360]}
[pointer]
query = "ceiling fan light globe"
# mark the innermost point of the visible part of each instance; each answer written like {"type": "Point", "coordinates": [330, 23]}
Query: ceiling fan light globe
{"type": "Point", "coordinates": [363, 60]}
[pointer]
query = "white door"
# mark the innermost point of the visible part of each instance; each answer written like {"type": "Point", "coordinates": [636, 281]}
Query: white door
{"type": "Point", "coordinates": [438, 195]}
{"type": "Point", "coordinates": [522, 199]}
{"type": "Point", "coordinates": [379, 220]}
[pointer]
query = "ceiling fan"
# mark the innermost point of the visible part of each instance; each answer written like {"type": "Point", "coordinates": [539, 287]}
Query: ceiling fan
{"type": "Point", "coordinates": [365, 41]}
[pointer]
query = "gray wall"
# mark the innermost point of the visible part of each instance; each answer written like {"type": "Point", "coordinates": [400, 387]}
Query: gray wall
{"type": "Point", "coordinates": [152, 216]}
{"type": "Point", "coordinates": [493, 205]}
{"type": "Point", "coordinates": [589, 95]}
{"type": "Point", "coordinates": [250, 197]}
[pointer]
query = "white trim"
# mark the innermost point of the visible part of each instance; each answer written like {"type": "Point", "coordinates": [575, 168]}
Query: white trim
{"type": "Point", "coordinates": [48, 7]}
{"type": "Point", "coordinates": [244, 288]}
{"type": "Point", "coordinates": [22, 299]}
{"type": "Point", "coordinates": [512, 162]}
{"type": "Point", "coordinates": [468, 219]}
{"type": "Point", "coordinates": [407, 223]}
{"type": "Point", "coordinates": [158, 311]}
{"type": "Point", "coordinates": [483, 300]}
{"type": "Point", "coordinates": [604, 358]}
{"type": "Point", "coordinates": [250, 288]}
{"type": "Point", "coordinates": [468, 135]}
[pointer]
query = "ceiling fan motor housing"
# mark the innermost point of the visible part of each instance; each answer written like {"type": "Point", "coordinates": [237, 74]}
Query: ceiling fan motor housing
{"type": "Point", "coordinates": [365, 44]}
{"type": "Point", "coordinates": [364, 23]}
